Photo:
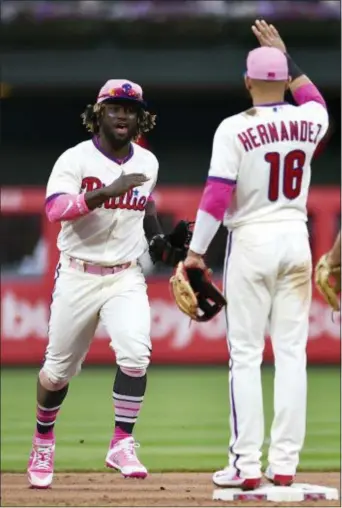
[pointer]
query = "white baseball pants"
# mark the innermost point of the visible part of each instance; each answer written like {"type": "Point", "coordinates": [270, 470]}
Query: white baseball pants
{"type": "Point", "coordinates": [267, 282]}
{"type": "Point", "coordinates": [79, 301]}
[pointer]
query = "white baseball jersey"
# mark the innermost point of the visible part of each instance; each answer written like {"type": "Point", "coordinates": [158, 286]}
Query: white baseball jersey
{"type": "Point", "coordinates": [268, 150]}
{"type": "Point", "coordinates": [112, 234]}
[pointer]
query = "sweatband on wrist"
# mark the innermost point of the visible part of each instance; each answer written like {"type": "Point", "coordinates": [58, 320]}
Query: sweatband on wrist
{"type": "Point", "coordinates": [294, 71]}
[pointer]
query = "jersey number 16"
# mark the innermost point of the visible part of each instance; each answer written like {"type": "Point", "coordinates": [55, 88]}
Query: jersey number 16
{"type": "Point", "coordinates": [291, 166]}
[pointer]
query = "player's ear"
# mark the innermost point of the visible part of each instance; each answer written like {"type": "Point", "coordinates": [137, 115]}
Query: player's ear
{"type": "Point", "coordinates": [248, 83]}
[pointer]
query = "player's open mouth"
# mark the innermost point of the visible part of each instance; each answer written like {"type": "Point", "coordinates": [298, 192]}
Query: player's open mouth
{"type": "Point", "coordinates": [121, 128]}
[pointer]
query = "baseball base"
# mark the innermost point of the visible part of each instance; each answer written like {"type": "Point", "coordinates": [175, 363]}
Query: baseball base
{"type": "Point", "coordinates": [296, 493]}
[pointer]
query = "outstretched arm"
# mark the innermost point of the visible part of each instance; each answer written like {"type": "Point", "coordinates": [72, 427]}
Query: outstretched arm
{"type": "Point", "coordinates": [301, 87]}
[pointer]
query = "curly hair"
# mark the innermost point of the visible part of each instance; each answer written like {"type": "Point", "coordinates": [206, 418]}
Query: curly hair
{"type": "Point", "coordinates": [92, 114]}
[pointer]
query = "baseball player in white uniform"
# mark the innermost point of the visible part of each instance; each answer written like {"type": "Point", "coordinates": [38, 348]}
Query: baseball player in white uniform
{"type": "Point", "coordinates": [100, 191]}
{"type": "Point", "coordinates": [258, 186]}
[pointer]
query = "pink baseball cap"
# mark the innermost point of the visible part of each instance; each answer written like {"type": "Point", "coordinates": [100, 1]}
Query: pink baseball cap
{"type": "Point", "coordinates": [267, 64]}
{"type": "Point", "coordinates": [118, 89]}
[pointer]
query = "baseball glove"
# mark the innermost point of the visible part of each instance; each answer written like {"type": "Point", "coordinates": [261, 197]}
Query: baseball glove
{"type": "Point", "coordinates": [195, 294]}
{"type": "Point", "coordinates": [328, 281]}
{"type": "Point", "coordinates": [172, 248]}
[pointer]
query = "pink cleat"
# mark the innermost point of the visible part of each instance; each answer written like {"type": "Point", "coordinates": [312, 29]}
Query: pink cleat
{"type": "Point", "coordinates": [121, 455]}
{"type": "Point", "coordinates": [40, 466]}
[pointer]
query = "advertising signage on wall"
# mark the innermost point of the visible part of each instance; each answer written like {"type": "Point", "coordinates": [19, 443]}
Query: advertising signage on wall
{"type": "Point", "coordinates": [25, 302]}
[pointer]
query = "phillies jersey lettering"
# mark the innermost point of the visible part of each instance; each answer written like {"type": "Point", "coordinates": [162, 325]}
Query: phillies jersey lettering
{"type": "Point", "coordinates": [129, 201]}
{"type": "Point", "coordinates": [268, 150]}
{"type": "Point", "coordinates": [112, 233]}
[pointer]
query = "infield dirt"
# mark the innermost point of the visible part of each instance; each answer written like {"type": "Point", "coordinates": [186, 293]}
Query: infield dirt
{"type": "Point", "coordinates": [159, 489]}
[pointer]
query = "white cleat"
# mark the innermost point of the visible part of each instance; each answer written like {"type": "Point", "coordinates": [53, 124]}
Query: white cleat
{"type": "Point", "coordinates": [228, 477]}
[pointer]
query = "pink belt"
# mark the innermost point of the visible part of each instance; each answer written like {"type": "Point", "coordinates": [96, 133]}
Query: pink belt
{"type": "Point", "coordinates": [97, 269]}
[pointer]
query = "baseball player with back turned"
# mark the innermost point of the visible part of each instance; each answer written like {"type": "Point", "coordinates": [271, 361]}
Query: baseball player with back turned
{"type": "Point", "coordinates": [100, 191]}
{"type": "Point", "coordinates": [258, 186]}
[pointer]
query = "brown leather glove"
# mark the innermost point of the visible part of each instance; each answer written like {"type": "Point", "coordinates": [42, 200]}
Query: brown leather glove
{"type": "Point", "coordinates": [195, 294]}
{"type": "Point", "coordinates": [328, 281]}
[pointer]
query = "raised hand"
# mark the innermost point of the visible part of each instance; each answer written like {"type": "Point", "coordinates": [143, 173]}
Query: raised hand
{"type": "Point", "coordinates": [124, 183]}
{"type": "Point", "coordinates": [268, 35]}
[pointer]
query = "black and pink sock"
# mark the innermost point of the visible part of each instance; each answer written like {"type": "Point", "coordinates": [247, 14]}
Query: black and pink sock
{"type": "Point", "coordinates": [47, 410]}
{"type": "Point", "coordinates": [46, 419]}
{"type": "Point", "coordinates": [128, 395]}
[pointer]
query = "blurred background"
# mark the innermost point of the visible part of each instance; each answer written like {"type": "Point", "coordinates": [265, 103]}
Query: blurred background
{"type": "Point", "coordinates": [189, 56]}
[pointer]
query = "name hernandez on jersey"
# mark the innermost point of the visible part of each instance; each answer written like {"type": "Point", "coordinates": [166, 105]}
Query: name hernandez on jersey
{"type": "Point", "coordinates": [270, 132]}
{"type": "Point", "coordinates": [113, 233]}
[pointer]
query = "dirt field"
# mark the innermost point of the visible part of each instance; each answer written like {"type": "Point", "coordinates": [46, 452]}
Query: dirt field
{"type": "Point", "coordinates": [160, 489]}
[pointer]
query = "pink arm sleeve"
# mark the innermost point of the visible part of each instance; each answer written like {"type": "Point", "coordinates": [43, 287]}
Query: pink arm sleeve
{"type": "Point", "coordinates": [215, 200]}
{"type": "Point", "coordinates": [65, 207]}
{"type": "Point", "coordinates": [217, 196]}
{"type": "Point", "coordinates": [307, 93]}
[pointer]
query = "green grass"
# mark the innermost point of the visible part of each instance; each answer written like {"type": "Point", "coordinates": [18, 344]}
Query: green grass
{"type": "Point", "coordinates": [183, 424]}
